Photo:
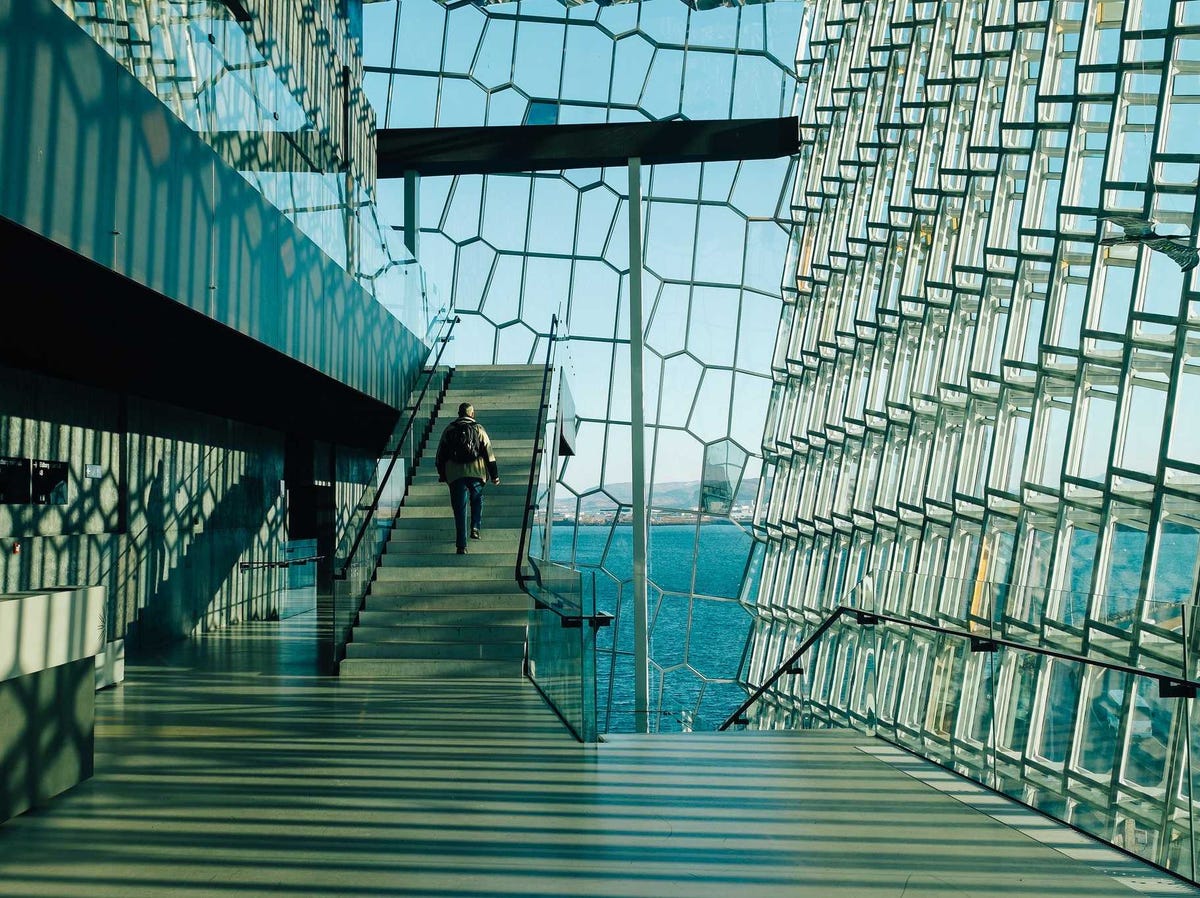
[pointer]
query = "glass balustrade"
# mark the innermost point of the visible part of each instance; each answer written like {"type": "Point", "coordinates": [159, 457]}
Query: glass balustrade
{"type": "Point", "coordinates": [1089, 724]}
{"type": "Point", "coordinates": [562, 643]}
{"type": "Point", "coordinates": [366, 532]}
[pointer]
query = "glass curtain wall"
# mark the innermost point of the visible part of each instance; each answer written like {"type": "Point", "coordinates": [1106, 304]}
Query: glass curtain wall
{"type": "Point", "coordinates": [279, 99]}
{"type": "Point", "coordinates": [515, 249]}
{"type": "Point", "coordinates": [984, 389]}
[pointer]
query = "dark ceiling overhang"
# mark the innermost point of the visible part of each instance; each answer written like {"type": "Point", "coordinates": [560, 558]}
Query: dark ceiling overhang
{"type": "Point", "coordinates": [523, 148]}
{"type": "Point", "coordinates": [238, 8]}
{"type": "Point", "coordinates": [66, 316]}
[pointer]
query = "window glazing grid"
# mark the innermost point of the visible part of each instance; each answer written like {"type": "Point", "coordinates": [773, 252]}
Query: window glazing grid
{"type": "Point", "coordinates": [1027, 417]}
{"type": "Point", "coordinates": [275, 109]}
{"type": "Point", "coordinates": [515, 248]}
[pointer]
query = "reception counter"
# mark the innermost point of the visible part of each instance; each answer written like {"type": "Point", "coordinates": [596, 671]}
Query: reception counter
{"type": "Point", "coordinates": [48, 646]}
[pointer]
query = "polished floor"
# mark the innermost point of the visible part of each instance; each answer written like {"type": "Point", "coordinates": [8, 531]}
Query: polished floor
{"type": "Point", "coordinates": [231, 769]}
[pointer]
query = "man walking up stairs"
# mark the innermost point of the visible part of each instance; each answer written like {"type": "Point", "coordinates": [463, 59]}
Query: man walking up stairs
{"type": "Point", "coordinates": [430, 612]}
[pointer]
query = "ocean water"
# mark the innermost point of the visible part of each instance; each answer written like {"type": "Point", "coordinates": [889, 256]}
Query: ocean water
{"type": "Point", "coordinates": [698, 630]}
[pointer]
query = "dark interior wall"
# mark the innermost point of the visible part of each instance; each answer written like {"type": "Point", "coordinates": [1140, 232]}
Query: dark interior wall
{"type": "Point", "coordinates": [176, 500]}
{"type": "Point", "coordinates": [171, 337]}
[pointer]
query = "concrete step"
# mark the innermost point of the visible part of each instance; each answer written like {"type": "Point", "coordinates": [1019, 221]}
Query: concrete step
{"type": "Point", "coordinates": [505, 408]}
{"type": "Point", "coordinates": [518, 433]}
{"type": "Point", "coordinates": [408, 537]}
{"type": "Point", "coordinates": [426, 490]}
{"type": "Point", "coordinates": [453, 604]}
{"type": "Point", "coordinates": [506, 368]}
{"type": "Point", "coordinates": [441, 521]}
{"type": "Point", "coordinates": [418, 573]}
{"type": "Point", "coordinates": [440, 527]}
{"type": "Point", "coordinates": [523, 421]}
{"type": "Point", "coordinates": [438, 520]}
{"type": "Point", "coordinates": [479, 552]}
{"type": "Point", "coordinates": [494, 517]}
{"type": "Point", "coordinates": [521, 386]}
{"type": "Point", "coordinates": [459, 576]}
{"type": "Point", "coordinates": [513, 465]}
{"type": "Point", "coordinates": [492, 381]}
{"type": "Point", "coordinates": [493, 404]}
{"type": "Point", "coordinates": [443, 547]}
{"type": "Point", "coordinates": [518, 394]}
{"type": "Point", "coordinates": [393, 597]}
{"type": "Point", "coordinates": [448, 563]}
{"type": "Point", "coordinates": [494, 407]}
{"type": "Point", "coordinates": [462, 590]}
{"type": "Point", "coordinates": [424, 669]}
{"type": "Point", "coordinates": [435, 533]}
{"type": "Point", "coordinates": [421, 505]}
{"type": "Point", "coordinates": [513, 485]}
{"type": "Point", "coordinates": [444, 619]}
{"type": "Point", "coordinates": [437, 651]}
{"type": "Point", "coordinates": [426, 635]}
{"type": "Point", "coordinates": [520, 443]}
{"type": "Point", "coordinates": [495, 377]}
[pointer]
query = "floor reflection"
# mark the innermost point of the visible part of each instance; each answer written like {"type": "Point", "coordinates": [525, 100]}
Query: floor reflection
{"type": "Point", "coordinates": [227, 766]}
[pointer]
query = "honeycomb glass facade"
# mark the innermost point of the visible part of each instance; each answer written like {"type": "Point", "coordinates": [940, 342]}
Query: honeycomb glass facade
{"type": "Point", "coordinates": [984, 392]}
{"type": "Point", "coordinates": [515, 249]}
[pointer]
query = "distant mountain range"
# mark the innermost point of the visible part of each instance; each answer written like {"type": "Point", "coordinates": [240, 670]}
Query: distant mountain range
{"type": "Point", "coordinates": [675, 494]}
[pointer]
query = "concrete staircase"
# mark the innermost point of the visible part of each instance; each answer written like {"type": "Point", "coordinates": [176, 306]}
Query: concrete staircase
{"type": "Point", "coordinates": [430, 612]}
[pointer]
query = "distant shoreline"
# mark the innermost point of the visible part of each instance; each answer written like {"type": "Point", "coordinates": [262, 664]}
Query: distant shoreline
{"type": "Point", "coordinates": [722, 523]}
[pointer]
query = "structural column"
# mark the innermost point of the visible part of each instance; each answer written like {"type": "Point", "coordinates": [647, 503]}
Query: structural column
{"type": "Point", "coordinates": [641, 660]}
{"type": "Point", "coordinates": [412, 211]}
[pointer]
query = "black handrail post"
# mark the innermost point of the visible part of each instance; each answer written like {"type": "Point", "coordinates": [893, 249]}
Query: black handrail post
{"type": "Point", "coordinates": [788, 666]}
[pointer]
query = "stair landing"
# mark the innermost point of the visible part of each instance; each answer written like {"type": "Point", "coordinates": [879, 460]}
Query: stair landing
{"type": "Point", "coordinates": [219, 783]}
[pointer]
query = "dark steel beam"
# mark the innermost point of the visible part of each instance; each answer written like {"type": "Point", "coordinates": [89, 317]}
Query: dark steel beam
{"type": "Point", "coordinates": [238, 8]}
{"type": "Point", "coordinates": [521, 148]}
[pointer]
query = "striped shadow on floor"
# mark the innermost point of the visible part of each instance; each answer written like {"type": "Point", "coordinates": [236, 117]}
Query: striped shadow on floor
{"type": "Point", "coordinates": [230, 768]}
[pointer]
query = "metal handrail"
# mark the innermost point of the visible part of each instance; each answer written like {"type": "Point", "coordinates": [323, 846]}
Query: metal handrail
{"type": "Point", "coordinates": [571, 617]}
{"type": "Point", "coordinates": [538, 434]}
{"type": "Point", "coordinates": [444, 340]}
{"type": "Point", "coordinates": [291, 562]}
{"type": "Point", "coordinates": [1168, 686]}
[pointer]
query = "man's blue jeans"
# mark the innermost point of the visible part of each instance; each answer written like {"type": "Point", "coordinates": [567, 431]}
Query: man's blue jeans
{"type": "Point", "coordinates": [462, 491]}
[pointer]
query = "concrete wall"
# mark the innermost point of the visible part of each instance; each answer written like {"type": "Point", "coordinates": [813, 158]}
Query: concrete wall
{"type": "Point", "coordinates": [48, 737]}
{"type": "Point", "coordinates": [181, 499]}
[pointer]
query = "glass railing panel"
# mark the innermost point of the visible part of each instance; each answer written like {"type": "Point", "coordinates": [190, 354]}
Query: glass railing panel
{"type": "Point", "coordinates": [1013, 695]}
{"type": "Point", "coordinates": [834, 685]}
{"type": "Point", "coordinates": [364, 534]}
{"type": "Point", "coordinates": [1094, 742]}
{"type": "Point", "coordinates": [300, 578]}
{"type": "Point", "coordinates": [1182, 835]}
{"type": "Point", "coordinates": [561, 644]}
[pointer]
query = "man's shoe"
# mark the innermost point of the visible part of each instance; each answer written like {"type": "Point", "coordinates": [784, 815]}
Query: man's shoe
{"type": "Point", "coordinates": [462, 551]}
{"type": "Point", "coordinates": [474, 534]}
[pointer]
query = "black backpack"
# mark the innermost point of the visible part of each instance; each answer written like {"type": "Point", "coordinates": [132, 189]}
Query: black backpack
{"type": "Point", "coordinates": [463, 443]}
